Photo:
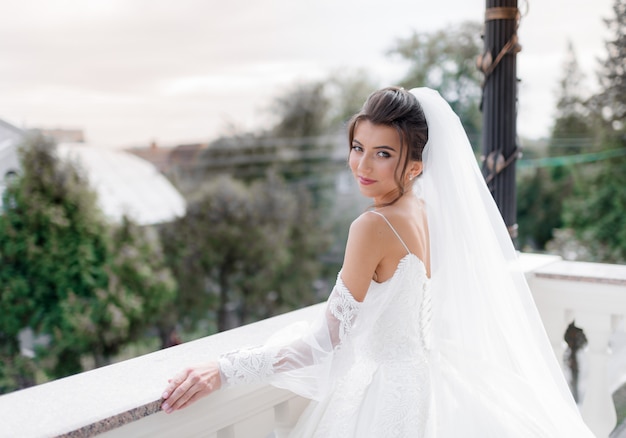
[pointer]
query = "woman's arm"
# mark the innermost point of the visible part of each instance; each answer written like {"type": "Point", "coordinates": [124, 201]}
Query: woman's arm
{"type": "Point", "coordinates": [368, 240]}
{"type": "Point", "coordinates": [268, 362]}
{"type": "Point", "coordinates": [316, 346]}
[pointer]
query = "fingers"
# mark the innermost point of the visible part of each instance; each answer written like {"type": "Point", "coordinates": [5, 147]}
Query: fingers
{"type": "Point", "coordinates": [175, 383]}
{"type": "Point", "coordinates": [197, 396]}
{"type": "Point", "coordinates": [179, 391]}
{"type": "Point", "coordinates": [190, 385]}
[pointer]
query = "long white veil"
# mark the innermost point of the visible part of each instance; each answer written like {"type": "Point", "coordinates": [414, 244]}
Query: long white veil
{"type": "Point", "coordinates": [494, 371]}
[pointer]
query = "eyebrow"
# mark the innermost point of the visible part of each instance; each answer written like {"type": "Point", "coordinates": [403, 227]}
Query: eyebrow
{"type": "Point", "coordinates": [389, 148]}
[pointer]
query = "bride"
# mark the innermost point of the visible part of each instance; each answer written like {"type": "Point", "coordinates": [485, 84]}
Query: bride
{"type": "Point", "coordinates": [430, 330]}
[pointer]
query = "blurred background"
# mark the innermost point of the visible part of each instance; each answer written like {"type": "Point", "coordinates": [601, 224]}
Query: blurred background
{"type": "Point", "coordinates": [173, 169]}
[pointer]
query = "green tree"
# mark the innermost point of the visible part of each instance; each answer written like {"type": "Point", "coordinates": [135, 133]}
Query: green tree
{"type": "Point", "coordinates": [306, 242]}
{"type": "Point", "coordinates": [613, 74]}
{"type": "Point", "coordinates": [65, 271]}
{"type": "Point", "coordinates": [235, 249]}
{"type": "Point", "coordinates": [301, 111]}
{"type": "Point", "coordinates": [347, 91]}
{"type": "Point", "coordinates": [596, 212]}
{"type": "Point", "coordinates": [446, 61]}
{"type": "Point", "coordinates": [53, 244]}
{"type": "Point", "coordinates": [301, 146]}
{"type": "Point", "coordinates": [139, 289]}
{"type": "Point", "coordinates": [300, 150]}
{"type": "Point", "coordinates": [542, 191]}
{"type": "Point", "coordinates": [573, 128]}
{"type": "Point", "coordinates": [538, 208]}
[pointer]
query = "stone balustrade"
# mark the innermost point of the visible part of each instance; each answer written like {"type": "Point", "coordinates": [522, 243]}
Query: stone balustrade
{"type": "Point", "coordinates": [123, 399]}
{"type": "Point", "coordinates": [594, 296]}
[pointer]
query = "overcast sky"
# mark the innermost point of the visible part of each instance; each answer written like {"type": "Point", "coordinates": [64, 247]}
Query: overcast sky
{"type": "Point", "coordinates": [128, 72]}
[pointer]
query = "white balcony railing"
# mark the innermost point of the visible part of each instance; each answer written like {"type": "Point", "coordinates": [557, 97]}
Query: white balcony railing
{"type": "Point", "coordinates": [594, 296]}
{"type": "Point", "coordinates": [123, 399]}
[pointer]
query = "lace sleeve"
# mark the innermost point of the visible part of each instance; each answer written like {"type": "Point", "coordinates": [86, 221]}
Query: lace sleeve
{"type": "Point", "coordinates": [314, 347]}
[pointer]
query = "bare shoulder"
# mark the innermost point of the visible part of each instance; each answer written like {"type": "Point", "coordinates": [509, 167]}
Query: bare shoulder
{"type": "Point", "coordinates": [367, 223]}
{"type": "Point", "coordinates": [364, 251]}
{"type": "Point", "coordinates": [371, 230]}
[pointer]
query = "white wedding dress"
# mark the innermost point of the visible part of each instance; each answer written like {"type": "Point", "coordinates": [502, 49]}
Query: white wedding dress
{"type": "Point", "coordinates": [462, 354]}
{"type": "Point", "coordinates": [385, 392]}
{"type": "Point", "coordinates": [380, 373]}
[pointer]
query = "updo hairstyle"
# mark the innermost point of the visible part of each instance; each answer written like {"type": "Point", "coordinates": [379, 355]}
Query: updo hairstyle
{"type": "Point", "coordinates": [398, 108]}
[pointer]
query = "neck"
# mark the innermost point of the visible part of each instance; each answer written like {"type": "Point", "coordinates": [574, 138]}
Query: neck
{"type": "Point", "coordinates": [393, 197]}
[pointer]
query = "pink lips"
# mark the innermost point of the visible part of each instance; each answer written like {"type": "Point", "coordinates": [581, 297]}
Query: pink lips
{"type": "Point", "coordinates": [366, 181]}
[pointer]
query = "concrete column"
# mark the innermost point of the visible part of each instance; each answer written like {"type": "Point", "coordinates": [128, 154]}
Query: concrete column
{"type": "Point", "coordinates": [598, 409]}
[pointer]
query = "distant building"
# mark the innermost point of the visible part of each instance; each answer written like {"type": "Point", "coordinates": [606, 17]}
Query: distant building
{"type": "Point", "coordinates": [158, 156]}
{"type": "Point", "coordinates": [178, 163]}
{"type": "Point", "coordinates": [125, 184]}
{"type": "Point", "coordinates": [10, 137]}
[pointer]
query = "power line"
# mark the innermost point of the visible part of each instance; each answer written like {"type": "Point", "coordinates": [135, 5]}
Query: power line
{"type": "Point", "coordinates": [568, 160]}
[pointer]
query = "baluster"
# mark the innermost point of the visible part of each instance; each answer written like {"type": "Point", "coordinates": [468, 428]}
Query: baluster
{"type": "Point", "coordinates": [287, 414]}
{"type": "Point", "coordinates": [598, 409]}
{"type": "Point", "coordinates": [555, 321]}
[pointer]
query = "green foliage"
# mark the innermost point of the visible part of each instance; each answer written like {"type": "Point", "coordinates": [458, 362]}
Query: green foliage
{"type": "Point", "coordinates": [250, 245]}
{"type": "Point", "coordinates": [50, 221]}
{"type": "Point", "coordinates": [307, 240]}
{"type": "Point", "coordinates": [542, 191]}
{"type": "Point", "coordinates": [138, 290]}
{"type": "Point", "coordinates": [612, 100]}
{"type": "Point", "coordinates": [301, 111]}
{"type": "Point", "coordinates": [302, 144]}
{"type": "Point", "coordinates": [316, 108]}
{"type": "Point", "coordinates": [596, 212]}
{"type": "Point", "coordinates": [347, 92]}
{"type": "Point", "coordinates": [573, 127]}
{"type": "Point", "coordinates": [239, 248]}
{"type": "Point", "coordinates": [539, 204]}
{"type": "Point", "coordinates": [16, 371]}
{"type": "Point", "coordinates": [67, 273]}
{"type": "Point", "coordinates": [446, 61]}
{"type": "Point", "coordinates": [583, 204]}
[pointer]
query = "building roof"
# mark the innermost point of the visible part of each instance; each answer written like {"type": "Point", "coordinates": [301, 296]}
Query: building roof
{"type": "Point", "coordinates": [10, 137]}
{"type": "Point", "coordinates": [126, 184]}
{"type": "Point", "coordinates": [158, 156]}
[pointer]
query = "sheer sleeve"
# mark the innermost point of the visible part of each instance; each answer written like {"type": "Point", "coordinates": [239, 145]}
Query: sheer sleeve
{"type": "Point", "coordinates": [297, 357]}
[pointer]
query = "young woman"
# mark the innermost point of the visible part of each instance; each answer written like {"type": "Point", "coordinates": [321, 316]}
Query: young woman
{"type": "Point", "coordinates": [402, 350]}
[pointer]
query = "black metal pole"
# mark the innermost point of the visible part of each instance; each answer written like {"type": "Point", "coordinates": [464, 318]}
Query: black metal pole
{"type": "Point", "coordinates": [498, 63]}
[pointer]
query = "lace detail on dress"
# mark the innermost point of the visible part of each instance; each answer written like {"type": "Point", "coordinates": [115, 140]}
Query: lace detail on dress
{"type": "Point", "coordinates": [341, 313]}
{"type": "Point", "coordinates": [425, 319]}
{"type": "Point", "coordinates": [259, 364]}
{"type": "Point", "coordinates": [404, 404]}
{"type": "Point", "coordinates": [386, 391]}
{"type": "Point", "coordinates": [253, 365]}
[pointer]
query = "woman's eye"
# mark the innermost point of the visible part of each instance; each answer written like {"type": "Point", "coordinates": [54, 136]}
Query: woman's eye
{"type": "Point", "coordinates": [357, 148]}
{"type": "Point", "coordinates": [383, 154]}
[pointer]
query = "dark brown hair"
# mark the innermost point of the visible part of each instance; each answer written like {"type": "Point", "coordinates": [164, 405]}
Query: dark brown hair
{"type": "Point", "coordinates": [398, 108]}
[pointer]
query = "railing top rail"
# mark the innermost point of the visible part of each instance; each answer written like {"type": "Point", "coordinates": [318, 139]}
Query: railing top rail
{"type": "Point", "coordinates": [93, 402]}
{"type": "Point", "coordinates": [584, 272]}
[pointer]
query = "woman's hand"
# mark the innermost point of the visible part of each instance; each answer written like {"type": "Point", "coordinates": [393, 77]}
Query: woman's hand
{"type": "Point", "coordinates": [191, 385]}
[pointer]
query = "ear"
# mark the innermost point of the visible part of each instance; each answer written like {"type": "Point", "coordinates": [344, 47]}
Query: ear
{"type": "Point", "coordinates": [415, 169]}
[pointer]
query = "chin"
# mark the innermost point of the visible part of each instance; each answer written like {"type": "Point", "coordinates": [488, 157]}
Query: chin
{"type": "Point", "coordinates": [367, 193]}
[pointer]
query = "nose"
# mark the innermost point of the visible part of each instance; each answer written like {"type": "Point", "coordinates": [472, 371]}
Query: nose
{"type": "Point", "coordinates": [364, 164]}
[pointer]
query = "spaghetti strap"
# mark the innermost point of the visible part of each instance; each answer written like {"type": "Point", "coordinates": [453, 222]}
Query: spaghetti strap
{"type": "Point", "coordinates": [392, 229]}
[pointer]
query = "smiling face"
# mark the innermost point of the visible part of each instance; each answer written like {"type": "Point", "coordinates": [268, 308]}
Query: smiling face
{"type": "Point", "coordinates": [375, 157]}
{"type": "Point", "coordinates": [387, 138]}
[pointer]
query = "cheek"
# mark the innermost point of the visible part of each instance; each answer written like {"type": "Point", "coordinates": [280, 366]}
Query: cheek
{"type": "Point", "coordinates": [353, 161]}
